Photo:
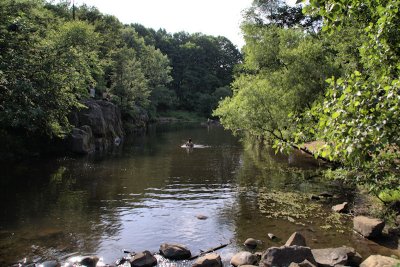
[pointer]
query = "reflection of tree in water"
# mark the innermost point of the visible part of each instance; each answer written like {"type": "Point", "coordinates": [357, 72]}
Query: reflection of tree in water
{"type": "Point", "coordinates": [53, 212]}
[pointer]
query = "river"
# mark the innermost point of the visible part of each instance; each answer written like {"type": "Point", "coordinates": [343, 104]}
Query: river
{"type": "Point", "coordinates": [151, 191]}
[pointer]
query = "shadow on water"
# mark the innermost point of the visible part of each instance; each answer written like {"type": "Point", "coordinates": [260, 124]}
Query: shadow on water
{"type": "Point", "coordinates": [151, 191]}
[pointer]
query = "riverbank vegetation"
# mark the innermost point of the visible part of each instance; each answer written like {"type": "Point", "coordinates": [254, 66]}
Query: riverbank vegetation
{"type": "Point", "coordinates": [329, 72]}
{"type": "Point", "coordinates": [54, 55]}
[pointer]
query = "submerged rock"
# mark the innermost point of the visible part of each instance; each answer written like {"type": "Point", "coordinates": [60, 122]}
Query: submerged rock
{"type": "Point", "coordinates": [175, 251]}
{"type": "Point", "coordinates": [209, 260]}
{"type": "Point", "coordinates": [296, 239]}
{"type": "Point", "coordinates": [368, 227]}
{"type": "Point", "coordinates": [336, 256]}
{"type": "Point", "coordinates": [284, 256]}
{"type": "Point", "coordinates": [244, 258]}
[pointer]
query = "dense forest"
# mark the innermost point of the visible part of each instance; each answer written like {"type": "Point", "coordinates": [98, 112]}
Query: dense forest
{"type": "Point", "coordinates": [52, 54]}
{"type": "Point", "coordinates": [327, 72]}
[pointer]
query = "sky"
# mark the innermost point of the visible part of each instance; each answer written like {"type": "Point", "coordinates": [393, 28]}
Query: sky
{"type": "Point", "coordinates": [211, 17]}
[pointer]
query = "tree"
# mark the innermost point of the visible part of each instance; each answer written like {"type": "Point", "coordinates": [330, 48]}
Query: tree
{"type": "Point", "coordinates": [282, 74]}
{"type": "Point", "coordinates": [359, 116]}
{"type": "Point", "coordinates": [46, 67]}
{"type": "Point", "coordinates": [129, 83]}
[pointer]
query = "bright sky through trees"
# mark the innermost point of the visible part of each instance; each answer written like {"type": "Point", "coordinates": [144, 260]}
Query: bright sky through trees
{"type": "Point", "coordinates": [211, 17]}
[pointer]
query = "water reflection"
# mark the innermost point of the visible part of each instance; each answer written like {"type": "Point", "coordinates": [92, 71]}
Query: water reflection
{"type": "Point", "coordinates": [152, 191]}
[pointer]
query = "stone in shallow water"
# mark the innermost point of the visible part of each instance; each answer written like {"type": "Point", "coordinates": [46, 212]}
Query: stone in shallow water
{"type": "Point", "coordinates": [379, 261]}
{"type": "Point", "coordinates": [143, 259]}
{"type": "Point", "coordinates": [244, 258]}
{"type": "Point", "coordinates": [337, 256]}
{"type": "Point", "coordinates": [175, 251]}
{"type": "Point", "coordinates": [209, 260]}
{"type": "Point", "coordinates": [250, 243]}
{"type": "Point", "coordinates": [296, 239]}
{"type": "Point", "coordinates": [201, 217]}
{"type": "Point", "coordinates": [341, 208]}
{"type": "Point", "coordinates": [368, 227]}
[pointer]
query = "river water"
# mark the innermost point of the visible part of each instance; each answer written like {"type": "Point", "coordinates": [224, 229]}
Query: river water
{"type": "Point", "coordinates": [151, 191]}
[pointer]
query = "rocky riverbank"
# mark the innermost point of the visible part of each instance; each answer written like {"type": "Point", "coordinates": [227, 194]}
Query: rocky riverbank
{"type": "Point", "coordinates": [96, 128]}
{"type": "Point", "coordinates": [294, 253]}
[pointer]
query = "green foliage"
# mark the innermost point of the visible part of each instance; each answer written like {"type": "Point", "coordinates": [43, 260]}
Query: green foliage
{"type": "Point", "coordinates": [359, 117]}
{"type": "Point", "coordinates": [283, 73]}
{"type": "Point", "coordinates": [200, 65]}
{"type": "Point", "coordinates": [390, 195]}
{"type": "Point", "coordinates": [45, 67]}
{"type": "Point", "coordinates": [49, 60]}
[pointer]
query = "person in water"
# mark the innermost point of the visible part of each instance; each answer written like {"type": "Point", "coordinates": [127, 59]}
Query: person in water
{"type": "Point", "coordinates": [189, 143]}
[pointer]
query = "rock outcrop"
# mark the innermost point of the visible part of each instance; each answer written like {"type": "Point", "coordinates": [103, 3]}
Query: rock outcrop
{"type": "Point", "coordinates": [97, 127]}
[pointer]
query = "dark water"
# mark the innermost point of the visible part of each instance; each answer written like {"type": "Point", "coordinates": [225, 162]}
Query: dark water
{"type": "Point", "coordinates": [150, 192]}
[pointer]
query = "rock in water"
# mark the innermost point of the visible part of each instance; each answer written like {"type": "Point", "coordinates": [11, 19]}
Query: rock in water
{"type": "Point", "coordinates": [368, 227]}
{"type": "Point", "coordinates": [175, 251]}
{"type": "Point", "coordinates": [143, 259]}
{"type": "Point", "coordinates": [250, 243]}
{"type": "Point", "coordinates": [341, 208]}
{"type": "Point", "coordinates": [201, 217]}
{"type": "Point", "coordinates": [89, 261]}
{"type": "Point", "coordinates": [284, 256]}
{"type": "Point", "coordinates": [244, 258]}
{"type": "Point", "coordinates": [271, 236]}
{"type": "Point", "coordinates": [296, 239]}
{"type": "Point", "coordinates": [209, 260]}
{"type": "Point", "coordinates": [379, 261]}
{"type": "Point", "coordinates": [337, 256]}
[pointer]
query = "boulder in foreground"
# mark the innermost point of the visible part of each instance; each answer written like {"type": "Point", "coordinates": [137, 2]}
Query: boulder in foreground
{"type": "Point", "coordinates": [379, 261]}
{"type": "Point", "coordinates": [209, 260]}
{"type": "Point", "coordinates": [284, 256]}
{"type": "Point", "coordinates": [175, 251]}
{"type": "Point", "coordinates": [327, 257]}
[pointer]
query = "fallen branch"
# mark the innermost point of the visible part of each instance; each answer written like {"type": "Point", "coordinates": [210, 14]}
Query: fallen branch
{"type": "Point", "coordinates": [208, 251]}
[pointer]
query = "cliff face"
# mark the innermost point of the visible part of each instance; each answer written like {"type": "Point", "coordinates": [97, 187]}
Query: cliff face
{"type": "Point", "coordinates": [97, 128]}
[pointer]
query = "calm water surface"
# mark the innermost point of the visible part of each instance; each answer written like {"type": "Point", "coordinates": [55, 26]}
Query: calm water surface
{"type": "Point", "coordinates": [151, 190]}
